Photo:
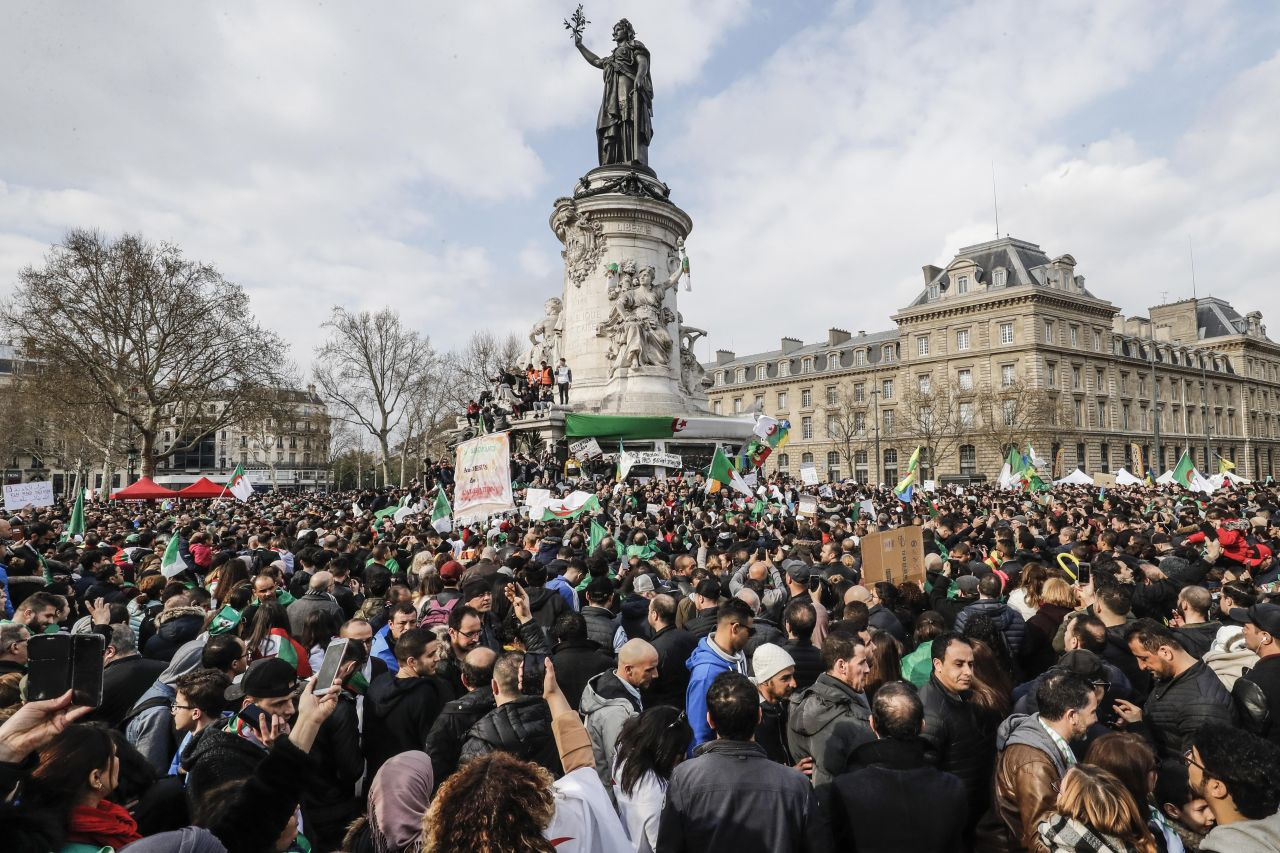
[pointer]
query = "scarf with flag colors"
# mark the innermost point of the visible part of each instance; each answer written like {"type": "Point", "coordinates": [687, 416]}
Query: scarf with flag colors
{"type": "Point", "coordinates": [279, 644]}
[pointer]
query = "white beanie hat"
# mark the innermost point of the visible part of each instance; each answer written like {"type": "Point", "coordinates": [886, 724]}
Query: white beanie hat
{"type": "Point", "coordinates": [768, 661]}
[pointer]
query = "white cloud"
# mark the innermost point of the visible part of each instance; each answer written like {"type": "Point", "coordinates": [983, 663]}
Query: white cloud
{"type": "Point", "coordinates": [863, 149]}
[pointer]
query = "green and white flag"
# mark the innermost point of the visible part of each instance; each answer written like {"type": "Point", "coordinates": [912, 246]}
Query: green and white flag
{"type": "Point", "coordinates": [239, 484]}
{"type": "Point", "coordinates": [571, 507]}
{"type": "Point", "coordinates": [172, 563]}
{"type": "Point", "coordinates": [76, 526]}
{"type": "Point", "coordinates": [722, 472]}
{"type": "Point", "coordinates": [442, 513]}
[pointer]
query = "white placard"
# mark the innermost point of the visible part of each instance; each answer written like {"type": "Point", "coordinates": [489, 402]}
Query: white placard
{"type": "Point", "coordinates": [653, 509]}
{"type": "Point", "coordinates": [587, 448]}
{"type": "Point", "coordinates": [482, 477]}
{"type": "Point", "coordinates": [807, 505]}
{"type": "Point", "coordinates": [534, 498]}
{"type": "Point", "coordinates": [656, 458]}
{"type": "Point", "coordinates": [19, 495]}
{"type": "Point", "coordinates": [809, 474]}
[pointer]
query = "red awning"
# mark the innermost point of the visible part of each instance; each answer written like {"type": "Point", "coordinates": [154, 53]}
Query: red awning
{"type": "Point", "coordinates": [143, 490]}
{"type": "Point", "coordinates": [203, 488]}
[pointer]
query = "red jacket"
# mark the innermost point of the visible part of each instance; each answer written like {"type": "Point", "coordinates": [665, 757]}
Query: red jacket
{"type": "Point", "coordinates": [1236, 547]}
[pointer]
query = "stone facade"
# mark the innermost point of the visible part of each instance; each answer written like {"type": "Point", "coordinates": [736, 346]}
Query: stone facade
{"type": "Point", "coordinates": [1006, 345]}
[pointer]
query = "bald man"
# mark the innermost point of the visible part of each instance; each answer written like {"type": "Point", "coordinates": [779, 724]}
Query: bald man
{"type": "Point", "coordinates": [613, 697]}
{"type": "Point", "coordinates": [319, 598]}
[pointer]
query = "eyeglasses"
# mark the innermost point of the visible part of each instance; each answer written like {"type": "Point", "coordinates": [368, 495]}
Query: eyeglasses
{"type": "Point", "coordinates": [183, 707]}
{"type": "Point", "coordinates": [1189, 761]}
{"type": "Point", "coordinates": [680, 719]}
{"type": "Point", "coordinates": [470, 635]}
{"type": "Point", "coordinates": [1104, 686]}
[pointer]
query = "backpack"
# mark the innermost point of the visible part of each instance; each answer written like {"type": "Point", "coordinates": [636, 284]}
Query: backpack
{"type": "Point", "coordinates": [437, 613]}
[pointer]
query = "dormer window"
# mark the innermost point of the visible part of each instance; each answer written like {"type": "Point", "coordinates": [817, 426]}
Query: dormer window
{"type": "Point", "coordinates": [719, 377]}
{"type": "Point", "coordinates": [740, 375]}
{"type": "Point", "coordinates": [806, 364]}
{"type": "Point", "coordinates": [962, 284]}
{"type": "Point", "coordinates": [859, 358]}
{"type": "Point", "coordinates": [887, 354]}
{"type": "Point", "coordinates": [762, 372]}
{"type": "Point", "coordinates": [934, 292]}
{"type": "Point", "coordinates": [998, 277]}
{"type": "Point", "coordinates": [833, 361]}
{"type": "Point", "coordinates": [784, 367]}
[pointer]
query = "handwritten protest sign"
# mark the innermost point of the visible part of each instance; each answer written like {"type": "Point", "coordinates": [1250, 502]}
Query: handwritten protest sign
{"type": "Point", "coordinates": [18, 495]}
{"type": "Point", "coordinates": [482, 477]}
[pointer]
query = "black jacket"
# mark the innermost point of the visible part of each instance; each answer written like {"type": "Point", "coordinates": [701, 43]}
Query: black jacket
{"type": "Point", "coordinates": [1266, 674]}
{"type": "Point", "coordinates": [771, 732]}
{"type": "Point", "coordinates": [329, 804]}
{"type": "Point", "coordinates": [174, 629]}
{"type": "Point", "coordinates": [444, 741]}
{"type": "Point", "coordinates": [808, 658]}
{"type": "Point", "coordinates": [577, 662]}
{"type": "Point", "coordinates": [521, 727]}
{"type": "Point", "coordinates": [885, 620]}
{"type": "Point", "coordinates": [730, 796]}
{"type": "Point", "coordinates": [635, 618]}
{"type": "Point", "coordinates": [1197, 639]}
{"type": "Point", "coordinates": [602, 624]}
{"type": "Point", "coordinates": [764, 632]}
{"type": "Point", "coordinates": [938, 601]}
{"type": "Point", "coordinates": [547, 606]}
{"type": "Point", "coordinates": [877, 806]}
{"type": "Point", "coordinates": [264, 804]}
{"type": "Point", "coordinates": [674, 646]}
{"type": "Point", "coordinates": [1178, 707]}
{"type": "Point", "coordinates": [123, 682]}
{"type": "Point", "coordinates": [215, 756]}
{"type": "Point", "coordinates": [703, 622]}
{"type": "Point", "coordinates": [398, 714]}
{"type": "Point", "coordinates": [959, 742]}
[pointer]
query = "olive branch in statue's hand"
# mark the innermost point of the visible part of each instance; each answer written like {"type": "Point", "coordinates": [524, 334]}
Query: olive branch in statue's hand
{"type": "Point", "coordinates": [576, 23]}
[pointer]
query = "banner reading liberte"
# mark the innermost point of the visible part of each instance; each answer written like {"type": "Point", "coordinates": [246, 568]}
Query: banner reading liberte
{"type": "Point", "coordinates": [482, 477]}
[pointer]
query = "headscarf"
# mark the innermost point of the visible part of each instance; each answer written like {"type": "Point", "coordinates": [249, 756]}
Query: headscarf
{"type": "Point", "coordinates": [398, 800]}
{"type": "Point", "coordinates": [189, 839]}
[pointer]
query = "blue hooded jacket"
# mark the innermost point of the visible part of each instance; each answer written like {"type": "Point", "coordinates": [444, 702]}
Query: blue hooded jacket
{"type": "Point", "coordinates": [384, 648]}
{"type": "Point", "coordinates": [704, 665]}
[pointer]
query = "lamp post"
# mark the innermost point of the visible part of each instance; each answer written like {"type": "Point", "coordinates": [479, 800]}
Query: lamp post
{"type": "Point", "coordinates": [1155, 416]}
{"type": "Point", "coordinates": [131, 457]}
{"type": "Point", "coordinates": [875, 399]}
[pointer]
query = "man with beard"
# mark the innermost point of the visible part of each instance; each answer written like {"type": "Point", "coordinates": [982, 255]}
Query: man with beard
{"type": "Point", "coordinates": [775, 678]}
{"type": "Point", "coordinates": [1238, 774]}
{"type": "Point", "coordinates": [1034, 754]}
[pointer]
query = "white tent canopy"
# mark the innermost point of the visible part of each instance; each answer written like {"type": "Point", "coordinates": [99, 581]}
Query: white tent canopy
{"type": "Point", "coordinates": [1124, 478]}
{"type": "Point", "coordinates": [1075, 478]}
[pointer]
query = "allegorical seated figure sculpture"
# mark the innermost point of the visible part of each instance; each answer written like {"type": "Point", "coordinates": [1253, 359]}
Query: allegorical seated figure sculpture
{"type": "Point", "coordinates": [637, 324]}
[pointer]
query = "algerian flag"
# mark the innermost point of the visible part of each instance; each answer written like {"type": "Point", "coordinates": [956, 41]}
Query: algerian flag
{"type": "Point", "coordinates": [172, 563]}
{"type": "Point", "coordinates": [76, 527]}
{"type": "Point", "coordinates": [722, 472]}
{"type": "Point", "coordinates": [1185, 473]}
{"type": "Point", "coordinates": [571, 507]}
{"type": "Point", "coordinates": [226, 620]}
{"type": "Point", "coordinates": [442, 513]}
{"type": "Point", "coordinates": [239, 484]}
{"type": "Point", "coordinates": [596, 536]}
{"type": "Point", "coordinates": [906, 487]}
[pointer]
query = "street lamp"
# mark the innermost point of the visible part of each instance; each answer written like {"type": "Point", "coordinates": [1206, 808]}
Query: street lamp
{"type": "Point", "coordinates": [875, 399]}
{"type": "Point", "coordinates": [131, 455]}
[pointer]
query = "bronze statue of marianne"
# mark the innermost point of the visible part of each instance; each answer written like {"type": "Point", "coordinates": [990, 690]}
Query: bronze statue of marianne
{"type": "Point", "coordinates": [625, 123]}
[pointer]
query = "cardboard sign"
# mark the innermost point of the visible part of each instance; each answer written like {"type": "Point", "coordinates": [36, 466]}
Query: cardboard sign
{"type": "Point", "coordinates": [807, 505]}
{"type": "Point", "coordinates": [808, 474]}
{"type": "Point", "coordinates": [894, 555]}
{"type": "Point", "coordinates": [1106, 480]}
{"type": "Point", "coordinates": [587, 448]}
{"type": "Point", "coordinates": [19, 495]}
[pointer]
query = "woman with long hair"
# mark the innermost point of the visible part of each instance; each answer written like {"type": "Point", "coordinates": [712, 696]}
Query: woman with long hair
{"type": "Point", "coordinates": [992, 687]}
{"type": "Point", "coordinates": [227, 576]}
{"type": "Point", "coordinates": [77, 772]}
{"type": "Point", "coordinates": [317, 630]}
{"type": "Point", "coordinates": [1026, 598]}
{"type": "Point", "coordinates": [268, 637]}
{"type": "Point", "coordinates": [1131, 760]}
{"type": "Point", "coordinates": [147, 602]}
{"type": "Point", "coordinates": [1095, 813]}
{"type": "Point", "coordinates": [649, 748]}
{"type": "Point", "coordinates": [885, 657]}
{"type": "Point", "coordinates": [1057, 599]}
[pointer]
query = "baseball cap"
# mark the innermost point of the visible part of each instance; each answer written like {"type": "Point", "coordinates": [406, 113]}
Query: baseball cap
{"type": "Point", "coordinates": [268, 678]}
{"type": "Point", "coordinates": [967, 584]}
{"type": "Point", "coordinates": [1265, 616]}
{"type": "Point", "coordinates": [1083, 662]}
{"type": "Point", "coordinates": [451, 571]}
{"type": "Point", "coordinates": [798, 570]}
{"type": "Point", "coordinates": [475, 588]}
{"type": "Point", "coordinates": [642, 585]}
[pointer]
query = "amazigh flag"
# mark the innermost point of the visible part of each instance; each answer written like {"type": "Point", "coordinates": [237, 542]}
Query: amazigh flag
{"type": "Point", "coordinates": [906, 486]}
{"type": "Point", "coordinates": [239, 484]}
{"type": "Point", "coordinates": [722, 472]}
{"type": "Point", "coordinates": [441, 512]}
{"type": "Point", "coordinates": [290, 651]}
{"type": "Point", "coordinates": [76, 525]}
{"type": "Point", "coordinates": [571, 507]}
{"type": "Point", "coordinates": [172, 564]}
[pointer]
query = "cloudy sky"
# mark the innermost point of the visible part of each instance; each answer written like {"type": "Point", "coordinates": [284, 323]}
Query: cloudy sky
{"type": "Point", "coordinates": [407, 154]}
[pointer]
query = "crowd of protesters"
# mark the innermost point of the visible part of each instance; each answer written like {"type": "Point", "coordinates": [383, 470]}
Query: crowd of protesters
{"type": "Point", "coordinates": [515, 394]}
{"type": "Point", "coordinates": [1075, 671]}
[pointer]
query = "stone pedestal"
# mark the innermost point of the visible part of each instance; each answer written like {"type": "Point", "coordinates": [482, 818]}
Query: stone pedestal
{"type": "Point", "coordinates": [620, 214]}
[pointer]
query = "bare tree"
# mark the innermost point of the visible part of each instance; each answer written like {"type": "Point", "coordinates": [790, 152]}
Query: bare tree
{"type": "Point", "coordinates": [929, 417]}
{"type": "Point", "coordinates": [1018, 413]}
{"type": "Point", "coordinates": [484, 356]}
{"type": "Point", "coordinates": [848, 421]}
{"type": "Point", "coordinates": [159, 340]}
{"type": "Point", "coordinates": [366, 370]}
